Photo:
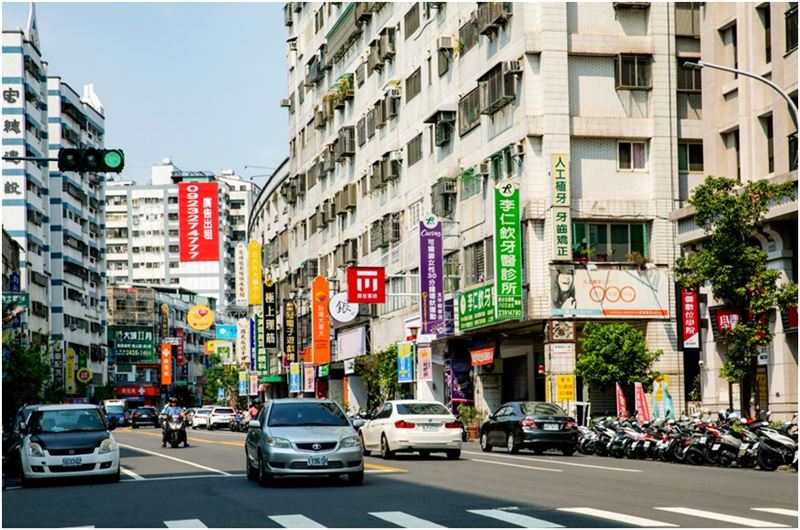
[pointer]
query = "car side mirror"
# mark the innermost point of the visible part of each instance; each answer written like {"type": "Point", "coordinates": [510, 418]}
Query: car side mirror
{"type": "Point", "coordinates": [254, 424]}
{"type": "Point", "coordinates": [359, 423]}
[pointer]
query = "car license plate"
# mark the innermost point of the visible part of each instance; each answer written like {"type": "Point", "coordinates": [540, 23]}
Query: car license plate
{"type": "Point", "coordinates": [317, 461]}
{"type": "Point", "coordinates": [430, 426]}
{"type": "Point", "coordinates": [71, 461]}
{"type": "Point", "coordinates": [703, 440]}
{"type": "Point", "coordinates": [551, 426]}
{"type": "Point", "coordinates": [745, 446]}
{"type": "Point", "coordinates": [647, 444]}
{"type": "Point", "coordinates": [715, 447]}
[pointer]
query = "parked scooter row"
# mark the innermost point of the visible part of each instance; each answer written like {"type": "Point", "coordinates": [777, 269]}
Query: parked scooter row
{"type": "Point", "coordinates": [728, 441]}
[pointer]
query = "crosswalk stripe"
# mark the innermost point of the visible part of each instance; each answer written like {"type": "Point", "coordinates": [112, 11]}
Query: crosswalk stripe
{"type": "Point", "coordinates": [404, 520]}
{"type": "Point", "coordinates": [745, 521]}
{"type": "Point", "coordinates": [516, 518]}
{"type": "Point", "coordinates": [295, 521]}
{"type": "Point", "coordinates": [617, 517]}
{"type": "Point", "coordinates": [779, 511]}
{"type": "Point", "coordinates": [185, 523]}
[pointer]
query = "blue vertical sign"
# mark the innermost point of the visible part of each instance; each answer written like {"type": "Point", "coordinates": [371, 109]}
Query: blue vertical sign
{"type": "Point", "coordinates": [405, 363]}
{"type": "Point", "coordinates": [295, 378]}
{"type": "Point", "coordinates": [220, 394]}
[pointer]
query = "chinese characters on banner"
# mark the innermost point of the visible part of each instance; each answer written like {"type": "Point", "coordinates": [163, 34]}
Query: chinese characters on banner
{"type": "Point", "coordinates": [727, 318]}
{"type": "Point", "coordinates": [243, 342]}
{"type": "Point", "coordinates": [405, 362]}
{"type": "Point", "coordinates": [253, 384]}
{"type": "Point", "coordinates": [166, 363]}
{"type": "Point", "coordinates": [295, 379]}
{"type": "Point", "coordinates": [241, 275]}
{"type": "Point", "coordinates": [179, 356]}
{"type": "Point", "coordinates": [431, 279]}
{"type": "Point", "coordinates": [132, 344]}
{"type": "Point", "coordinates": [690, 313]}
{"type": "Point", "coordinates": [270, 312]}
{"type": "Point", "coordinates": [482, 356]}
{"type": "Point", "coordinates": [562, 224]}
{"type": "Point", "coordinates": [243, 383]}
{"type": "Point", "coordinates": [308, 377]}
{"type": "Point", "coordinates": [476, 307]}
{"type": "Point", "coordinates": [424, 363]}
{"type": "Point", "coordinates": [366, 285]}
{"type": "Point", "coordinates": [290, 331]}
{"type": "Point", "coordinates": [262, 358]}
{"type": "Point", "coordinates": [14, 127]}
{"type": "Point", "coordinates": [254, 270]}
{"type": "Point", "coordinates": [321, 343]}
{"type": "Point", "coordinates": [69, 375]}
{"type": "Point", "coordinates": [507, 251]}
{"type": "Point", "coordinates": [198, 221]}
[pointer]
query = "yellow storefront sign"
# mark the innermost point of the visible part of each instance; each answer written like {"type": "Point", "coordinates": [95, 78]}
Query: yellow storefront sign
{"type": "Point", "coordinates": [69, 375]}
{"type": "Point", "coordinates": [200, 317]}
{"type": "Point", "coordinates": [548, 395]}
{"type": "Point", "coordinates": [565, 388]}
{"type": "Point", "coordinates": [254, 271]}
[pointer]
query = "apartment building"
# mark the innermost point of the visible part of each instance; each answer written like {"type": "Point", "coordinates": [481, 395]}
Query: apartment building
{"type": "Point", "coordinates": [77, 243]}
{"type": "Point", "coordinates": [748, 134]}
{"type": "Point", "coordinates": [401, 109]}
{"type": "Point", "coordinates": [242, 195]}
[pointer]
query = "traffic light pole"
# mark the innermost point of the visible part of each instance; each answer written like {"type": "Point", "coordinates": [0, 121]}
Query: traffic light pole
{"type": "Point", "coordinates": [29, 159]}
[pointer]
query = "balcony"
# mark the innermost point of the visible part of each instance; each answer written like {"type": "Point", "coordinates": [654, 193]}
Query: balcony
{"type": "Point", "coordinates": [346, 30]}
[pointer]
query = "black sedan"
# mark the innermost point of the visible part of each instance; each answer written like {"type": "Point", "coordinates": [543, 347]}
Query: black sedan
{"type": "Point", "coordinates": [144, 416]}
{"type": "Point", "coordinates": [13, 438]}
{"type": "Point", "coordinates": [530, 425]}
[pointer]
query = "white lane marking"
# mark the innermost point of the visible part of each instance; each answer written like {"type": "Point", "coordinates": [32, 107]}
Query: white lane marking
{"type": "Point", "coordinates": [516, 465]}
{"type": "Point", "coordinates": [173, 458]}
{"type": "Point", "coordinates": [185, 477]}
{"type": "Point", "coordinates": [516, 518]}
{"type": "Point", "coordinates": [404, 520]}
{"type": "Point", "coordinates": [616, 517]}
{"type": "Point", "coordinates": [295, 521]}
{"type": "Point", "coordinates": [75, 527]}
{"type": "Point", "coordinates": [744, 521]}
{"type": "Point", "coordinates": [779, 511]}
{"type": "Point", "coordinates": [557, 462]}
{"type": "Point", "coordinates": [185, 523]}
{"type": "Point", "coordinates": [13, 488]}
{"type": "Point", "coordinates": [130, 473]}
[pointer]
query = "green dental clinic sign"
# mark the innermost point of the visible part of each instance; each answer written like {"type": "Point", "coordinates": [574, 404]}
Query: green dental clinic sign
{"type": "Point", "coordinates": [507, 251]}
{"type": "Point", "coordinates": [476, 308]}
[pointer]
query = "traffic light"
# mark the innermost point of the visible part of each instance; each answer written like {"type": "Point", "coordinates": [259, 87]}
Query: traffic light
{"type": "Point", "coordinates": [91, 160]}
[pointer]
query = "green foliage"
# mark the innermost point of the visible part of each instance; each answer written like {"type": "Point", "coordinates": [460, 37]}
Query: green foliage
{"type": "Point", "coordinates": [219, 375]}
{"type": "Point", "coordinates": [615, 353]}
{"type": "Point", "coordinates": [26, 375]}
{"type": "Point", "coordinates": [467, 414]}
{"type": "Point", "coordinates": [378, 373]}
{"type": "Point", "coordinates": [734, 266]}
{"type": "Point", "coordinates": [694, 394]}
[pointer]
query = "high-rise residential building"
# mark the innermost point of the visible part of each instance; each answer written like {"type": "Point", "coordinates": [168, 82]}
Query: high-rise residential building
{"type": "Point", "coordinates": [77, 242]}
{"type": "Point", "coordinates": [401, 109]}
{"type": "Point", "coordinates": [747, 134]}
{"type": "Point", "coordinates": [26, 184]}
{"type": "Point", "coordinates": [142, 232]}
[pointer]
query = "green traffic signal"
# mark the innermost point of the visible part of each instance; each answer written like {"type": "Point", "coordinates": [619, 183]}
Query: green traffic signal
{"type": "Point", "coordinates": [91, 160]}
{"type": "Point", "coordinates": [113, 159]}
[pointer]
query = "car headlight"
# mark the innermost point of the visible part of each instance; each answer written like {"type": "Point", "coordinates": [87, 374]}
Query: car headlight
{"type": "Point", "coordinates": [106, 446]}
{"type": "Point", "coordinates": [352, 441]}
{"type": "Point", "coordinates": [35, 449]}
{"type": "Point", "coordinates": [279, 442]}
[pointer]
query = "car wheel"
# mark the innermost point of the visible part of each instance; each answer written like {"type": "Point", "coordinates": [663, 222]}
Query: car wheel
{"type": "Point", "coordinates": [114, 478]}
{"type": "Point", "coordinates": [252, 474]}
{"type": "Point", "coordinates": [511, 445]}
{"type": "Point", "coordinates": [537, 451]}
{"type": "Point", "coordinates": [485, 445]}
{"type": "Point", "coordinates": [363, 447]}
{"type": "Point", "coordinates": [134, 426]}
{"type": "Point", "coordinates": [454, 454]}
{"type": "Point", "coordinates": [424, 453]}
{"type": "Point", "coordinates": [569, 451]}
{"type": "Point", "coordinates": [386, 453]}
{"type": "Point", "coordinates": [264, 478]}
{"type": "Point", "coordinates": [210, 427]}
{"type": "Point", "coordinates": [356, 478]}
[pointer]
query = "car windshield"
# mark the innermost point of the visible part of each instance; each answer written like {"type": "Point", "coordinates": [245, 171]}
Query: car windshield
{"type": "Point", "coordinates": [114, 409]}
{"type": "Point", "coordinates": [76, 420]}
{"type": "Point", "coordinates": [421, 408]}
{"type": "Point", "coordinates": [306, 414]}
{"type": "Point", "coordinates": [144, 411]}
{"type": "Point", "coordinates": [533, 409]}
{"type": "Point", "coordinates": [223, 411]}
{"type": "Point", "coordinates": [202, 412]}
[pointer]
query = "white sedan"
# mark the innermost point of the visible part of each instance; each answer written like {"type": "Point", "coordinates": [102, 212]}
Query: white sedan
{"type": "Point", "coordinates": [200, 417]}
{"type": "Point", "coordinates": [412, 426]}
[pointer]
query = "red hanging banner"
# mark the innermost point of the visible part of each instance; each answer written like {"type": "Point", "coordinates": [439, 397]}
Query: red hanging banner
{"type": "Point", "coordinates": [198, 221]}
{"type": "Point", "coordinates": [321, 345]}
{"type": "Point", "coordinates": [642, 408]}
{"type": "Point", "coordinates": [622, 405]}
{"type": "Point", "coordinates": [166, 363]}
{"type": "Point", "coordinates": [179, 357]}
{"type": "Point", "coordinates": [690, 314]}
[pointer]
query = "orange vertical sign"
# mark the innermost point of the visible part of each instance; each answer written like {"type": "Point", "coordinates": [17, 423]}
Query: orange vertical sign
{"type": "Point", "coordinates": [321, 344]}
{"type": "Point", "coordinates": [166, 363]}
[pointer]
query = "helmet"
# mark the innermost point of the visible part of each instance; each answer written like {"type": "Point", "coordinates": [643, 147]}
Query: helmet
{"type": "Point", "coordinates": [173, 400]}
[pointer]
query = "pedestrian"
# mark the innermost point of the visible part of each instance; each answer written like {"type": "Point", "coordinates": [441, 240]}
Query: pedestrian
{"type": "Point", "coordinates": [253, 410]}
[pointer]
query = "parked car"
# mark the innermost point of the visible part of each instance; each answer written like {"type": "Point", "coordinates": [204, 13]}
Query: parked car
{"type": "Point", "coordinates": [412, 425]}
{"type": "Point", "coordinates": [302, 437]}
{"type": "Point", "coordinates": [530, 425]}
{"type": "Point", "coordinates": [145, 416]}
{"type": "Point", "coordinates": [200, 417]}
{"type": "Point", "coordinates": [190, 414]}
{"type": "Point", "coordinates": [68, 441]}
{"type": "Point", "coordinates": [220, 417]}
{"type": "Point", "coordinates": [13, 439]}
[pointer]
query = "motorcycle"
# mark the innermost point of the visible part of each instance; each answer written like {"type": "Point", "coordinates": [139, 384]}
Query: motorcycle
{"type": "Point", "coordinates": [237, 423]}
{"type": "Point", "coordinates": [175, 425]}
{"type": "Point", "coordinates": [774, 449]}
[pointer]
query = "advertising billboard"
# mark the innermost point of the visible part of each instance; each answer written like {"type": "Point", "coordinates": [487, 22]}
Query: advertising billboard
{"type": "Point", "coordinates": [198, 221]}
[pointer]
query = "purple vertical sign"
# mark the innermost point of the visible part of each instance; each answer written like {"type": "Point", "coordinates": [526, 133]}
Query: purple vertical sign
{"type": "Point", "coordinates": [431, 280]}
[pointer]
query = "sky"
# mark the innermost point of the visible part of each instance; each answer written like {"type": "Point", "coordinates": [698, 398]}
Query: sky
{"type": "Point", "coordinates": [199, 83]}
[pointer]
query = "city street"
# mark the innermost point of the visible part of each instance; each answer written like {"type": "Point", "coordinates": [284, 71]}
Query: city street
{"type": "Point", "coordinates": [205, 485]}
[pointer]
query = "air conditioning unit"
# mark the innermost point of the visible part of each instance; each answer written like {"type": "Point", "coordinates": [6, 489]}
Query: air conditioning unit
{"type": "Point", "coordinates": [519, 149]}
{"type": "Point", "coordinates": [391, 169]}
{"type": "Point", "coordinates": [293, 45]}
{"type": "Point", "coordinates": [484, 167]}
{"type": "Point", "coordinates": [396, 155]}
{"type": "Point", "coordinates": [512, 67]}
{"type": "Point", "coordinates": [443, 134]}
{"type": "Point", "coordinates": [286, 103]}
{"type": "Point", "coordinates": [393, 93]}
{"type": "Point", "coordinates": [444, 43]}
{"type": "Point", "coordinates": [447, 116]}
{"type": "Point", "coordinates": [319, 119]}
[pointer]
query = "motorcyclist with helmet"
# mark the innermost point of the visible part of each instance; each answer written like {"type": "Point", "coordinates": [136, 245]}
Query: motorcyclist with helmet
{"type": "Point", "coordinates": [169, 410]}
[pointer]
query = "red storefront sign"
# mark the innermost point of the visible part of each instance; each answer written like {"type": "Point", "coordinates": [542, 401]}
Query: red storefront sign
{"type": "Point", "coordinates": [137, 391]}
{"type": "Point", "coordinates": [690, 313]}
{"type": "Point", "coordinates": [166, 363]}
{"type": "Point", "coordinates": [179, 357]}
{"type": "Point", "coordinates": [366, 285]}
{"type": "Point", "coordinates": [727, 319]}
{"type": "Point", "coordinates": [321, 344]}
{"type": "Point", "coordinates": [198, 221]}
{"type": "Point", "coordinates": [482, 356]}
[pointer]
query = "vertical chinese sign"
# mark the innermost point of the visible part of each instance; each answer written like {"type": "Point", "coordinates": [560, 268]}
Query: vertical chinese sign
{"type": "Point", "coordinates": [562, 224]}
{"type": "Point", "coordinates": [431, 281]}
{"type": "Point", "coordinates": [262, 359]}
{"type": "Point", "coordinates": [690, 313]}
{"type": "Point", "coordinates": [241, 275]}
{"type": "Point", "coordinates": [424, 363]}
{"type": "Point", "coordinates": [254, 271]}
{"type": "Point", "coordinates": [243, 342]}
{"type": "Point", "coordinates": [507, 251]}
{"type": "Point", "coordinates": [198, 221]}
{"type": "Point", "coordinates": [180, 358]}
{"type": "Point", "coordinates": [308, 377]}
{"type": "Point", "coordinates": [405, 362]}
{"type": "Point", "coordinates": [321, 344]}
{"type": "Point", "coordinates": [69, 375]}
{"type": "Point", "coordinates": [270, 312]}
{"type": "Point", "coordinates": [166, 363]}
{"type": "Point", "coordinates": [290, 331]}
{"type": "Point", "coordinates": [295, 379]}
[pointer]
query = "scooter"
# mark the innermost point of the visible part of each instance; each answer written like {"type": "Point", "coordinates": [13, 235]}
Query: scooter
{"type": "Point", "coordinates": [175, 426]}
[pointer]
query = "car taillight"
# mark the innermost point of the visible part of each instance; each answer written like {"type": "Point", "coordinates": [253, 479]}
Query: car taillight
{"type": "Point", "coordinates": [569, 424]}
{"type": "Point", "coordinates": [403, 424]}
{"type": "Point", "coordinates": [452, 425]}
{"type": "Point", "coordinates": [528, 422]}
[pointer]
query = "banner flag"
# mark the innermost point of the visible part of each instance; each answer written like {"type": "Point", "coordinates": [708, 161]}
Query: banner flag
{"type": "Point", "coordinates": [622, 406]}
{"type": "Point", "coordinates": [642, 408]}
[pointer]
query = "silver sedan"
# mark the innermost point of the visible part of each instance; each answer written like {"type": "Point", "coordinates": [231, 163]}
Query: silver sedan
{"type": "Point", "coordinates": [302, 437]}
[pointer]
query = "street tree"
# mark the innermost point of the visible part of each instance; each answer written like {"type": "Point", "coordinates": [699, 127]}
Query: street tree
{"type": "Point", "coordinates": [734, 265]}
{"type": "Point", "coordinates": [26, 375]}
{"type": "Point", "coordinates": [378, 373]}
{"type": "Point", "coordinates": [218, 376]}
{"type": "Point", "coordinates": [615, 353]}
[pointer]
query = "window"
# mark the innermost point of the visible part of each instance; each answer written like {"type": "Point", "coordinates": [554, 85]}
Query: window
{"type": "Point", "coordinates": [729, 40]}
{"type": "Point", "coordinates": [690, 156]}
{"type": "Point", "coordinates": [792, 151]}
{"type": "Point", "coordinates": [469, 112]}
{"type": "Point", "coordinates": [479, 262]}
{"type": "Point", "coordinates": [687, 19]}
{"type": "Point", "coordinates": [631, 155]}
{"type": "Point", "coordinates": [452, 276]}
{"type": "Point", "coordinates": [471, 183]}
{"type": "Point", "coordinates": [766, 124]}
{"type": "Point", "coordinates": [413, 85]}
{"type": "Point", "coordinates": [411, 20]}
{"type": "Point", "coordinates": [415, 150]}
{"type": "Point", "coordinates": [689, 78]}
{"type": "Point", "coordinates": [468, 35]}
{"type": "Point", "coordinates": [301, 92]}
{"type": "Point", "coordinates": [632, 71]}
{"type": "Point", "coordinates": [414, 215]}
{"type": "Point", "coordinates": [370, 123]}
{"type": "Point", "coordinates": [791, 27]}
{"type": "Point", "coordinates": [766, 21]}
{"type": "Point", "coordinates": [610, 242]}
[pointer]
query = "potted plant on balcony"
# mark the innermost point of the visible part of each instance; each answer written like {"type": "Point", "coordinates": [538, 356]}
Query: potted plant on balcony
{"type": "Point", "coordinates": [469, 416]}
{"type": "Point", "coordinates": [640, 261]}
{"type": "Point", "coordinates": [584, 254]}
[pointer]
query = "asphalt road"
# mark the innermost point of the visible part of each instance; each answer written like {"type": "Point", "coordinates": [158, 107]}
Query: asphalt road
{"type": "Point", "coordinates": [204, 485]}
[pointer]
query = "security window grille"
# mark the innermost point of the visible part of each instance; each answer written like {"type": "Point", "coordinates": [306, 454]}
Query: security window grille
{"type": "Point", "coordinates": [793, 151]}
{"type": "Point", "coordinates": [766, 125]}
{"type": "Point", "coordinates": [301, 93]}
{"type": "Point", "coordinates": [469, 112]}
{"type": "Point", "coordinates": [468, 35]}
{"type": "Point", "coordinates": [413, 85]}
{"type": "Point", "coordinates": [479, 262]}
{"type": "Point", "coordinates": [632, 155]}
{"type": "Point", "coordinates": [791, 27]}
{"type": "Point", "coordinates": [451, 272]}
{"type": "Point", "coordinates": [687, 19]}
{"type": "Point", "coordinates": [411, 20]}
{"type": "Point", "coordinates": [415, 150]}
{"type": "Point", "coordinates": [633, 71]}
{"type": "Point", "coordinates": [471, 183]}
{"type": "Point", "coordinates": [370, 123]}
{"type": "Point", "coordinates": [689, 79]}
{"type": "Point", "coordinates": [610, 242]}
{"type": "Point", "coordinates": [690, 157]}
{"type": "Point", "coordinates": [361, 131]}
